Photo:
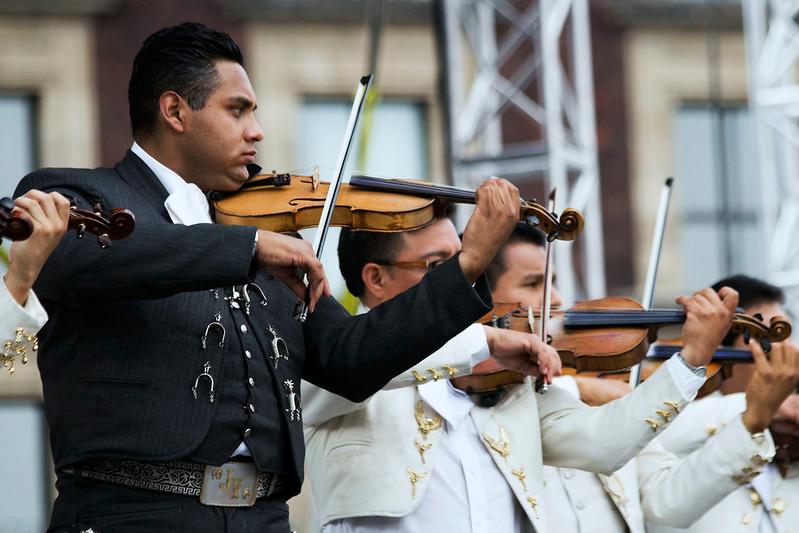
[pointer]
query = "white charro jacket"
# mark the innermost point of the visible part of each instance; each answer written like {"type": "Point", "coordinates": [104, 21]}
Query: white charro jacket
{"type": "Point", "coordinates": [723, 493]}
{"type": "Point", "coordinates": [360, 456]}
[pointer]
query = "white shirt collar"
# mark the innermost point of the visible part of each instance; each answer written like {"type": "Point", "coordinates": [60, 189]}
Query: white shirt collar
{"type": "Point", "coordinates": [168, 177]}
{"type": "Point", "coordinates": [186, 203]}
{"type": "Point", "coordinates": [452, 404]}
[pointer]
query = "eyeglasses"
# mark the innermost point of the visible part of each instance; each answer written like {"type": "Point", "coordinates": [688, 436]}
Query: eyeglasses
{"type": "Point", "coordinates": [427, 265]}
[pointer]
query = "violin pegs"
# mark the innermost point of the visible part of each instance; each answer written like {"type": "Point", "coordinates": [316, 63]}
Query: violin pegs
{"type": "Point", "coordinates": [7, 203]}
{"type": "Point", "coordinates": [81, 231]}
{"type": "Point", "coordinates": [765, 343]}
{"type": "Point", "coordinates": [104, 241]}
{"type": "Point", "coordinates": [758, 316]}
{"type": "Point", "coordinates": [747, 336]}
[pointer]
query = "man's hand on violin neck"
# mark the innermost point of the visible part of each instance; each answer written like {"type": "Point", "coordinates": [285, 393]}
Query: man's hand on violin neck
{"type": "Point", "coordinates": [48, 215]}
{"type": "Point", "coordinates": [774, 380]}
{"type": "Point", "coordinates": [708, 319]}
{"type": "Point", "coordinates": [491, 224]}
{"type": "Point", "coordinates": [284, 257]}
{"type": "Point", "coordinates": [523, 352]}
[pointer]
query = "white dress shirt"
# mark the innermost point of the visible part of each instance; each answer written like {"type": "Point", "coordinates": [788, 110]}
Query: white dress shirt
{"type": "Point", "coordinates": [467, 492]}
{"type": "Point", "coordinates": [186, 203]}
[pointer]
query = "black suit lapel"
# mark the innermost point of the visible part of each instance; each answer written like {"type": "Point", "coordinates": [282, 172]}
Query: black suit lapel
{"type": "Point", "coordinates": [139, 176]}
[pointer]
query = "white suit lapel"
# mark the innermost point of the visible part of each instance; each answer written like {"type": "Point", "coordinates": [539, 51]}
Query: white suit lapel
{"type": "Point", "coordinates": [515, 450]}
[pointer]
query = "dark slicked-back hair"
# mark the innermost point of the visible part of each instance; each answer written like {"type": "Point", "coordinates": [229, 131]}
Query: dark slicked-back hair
{"type": "Point", "coordinates": [524, 233]}
{"type": "Point", "coordinates": [181, 59]}
{"type": "Point", "coordinates": [357, 248]}
{"type": "Point", "coordinates": [751, 291]}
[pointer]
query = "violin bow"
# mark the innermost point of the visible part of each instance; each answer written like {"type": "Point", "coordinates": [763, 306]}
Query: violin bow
{"type": "Point", "coordinates": [301, 313]}
{"type": "Point", "coordinates": [546, 302]}
{"type": "Point", "coordinates": [654, 263]}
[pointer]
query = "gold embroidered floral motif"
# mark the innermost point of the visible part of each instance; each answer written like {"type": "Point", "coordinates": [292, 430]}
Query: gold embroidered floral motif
{"type": "Point", "coordinates": [502, 447]}
{"type": "Point", "coordinates": [426, 425]}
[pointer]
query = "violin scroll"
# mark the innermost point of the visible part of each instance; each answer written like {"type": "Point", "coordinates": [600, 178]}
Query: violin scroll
{"type": "Point", "coordinates": [120, 224]}
{"type": "Point", "coordinates": [565, 227]}
{"type": "Point", "coordinates": [753, 328]}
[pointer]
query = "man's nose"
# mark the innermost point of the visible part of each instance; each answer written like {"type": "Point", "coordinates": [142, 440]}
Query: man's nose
{"type": "Point", "coordinates": [255, 133]}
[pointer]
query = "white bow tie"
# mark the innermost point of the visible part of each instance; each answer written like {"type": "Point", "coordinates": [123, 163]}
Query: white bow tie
{"type": "Point", "coordinates": [188, 205]}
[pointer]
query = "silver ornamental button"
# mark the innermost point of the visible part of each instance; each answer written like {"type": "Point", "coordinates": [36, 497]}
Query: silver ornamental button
{"type": "Point", "coordinates": [243, 329]}
{"type": "Point", "coordinates": [247, 432]}
{"type": "Point", "coordinates": [251, 382]}
{"type": "Point", "coordinates": [252, 408]}
{"type": "Point", "coordinates": [247, 354]}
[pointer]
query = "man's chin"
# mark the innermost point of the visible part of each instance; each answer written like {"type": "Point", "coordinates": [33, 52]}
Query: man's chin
{"type": "Point", "coordinates": [235, 181]}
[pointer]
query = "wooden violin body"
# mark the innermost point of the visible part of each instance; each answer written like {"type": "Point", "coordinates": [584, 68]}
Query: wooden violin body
{"type": "Point", "coordinates": [298, 205]}
{"type": "Point", "coordinates": [286, 203]}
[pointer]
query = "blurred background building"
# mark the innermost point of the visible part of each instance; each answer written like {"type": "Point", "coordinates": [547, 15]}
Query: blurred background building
{"type": "Point", "coordinates": [667, 81]}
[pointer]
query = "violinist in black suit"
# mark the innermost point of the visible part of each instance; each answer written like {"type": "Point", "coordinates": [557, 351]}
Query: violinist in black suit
{"type": "Point", "coordinates": [171, 363]}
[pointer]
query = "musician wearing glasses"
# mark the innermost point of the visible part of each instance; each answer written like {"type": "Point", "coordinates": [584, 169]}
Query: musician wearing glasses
{"type": "Point", "coordinates": [21, 313]}
{"type": "Point", "coordinates": [427, 456]}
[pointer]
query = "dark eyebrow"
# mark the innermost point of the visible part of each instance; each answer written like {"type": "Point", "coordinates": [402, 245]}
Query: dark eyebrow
{"type": "Point", "coordinates": [538, 277]}
{"type": "Point", "coordinates": [242, 101]}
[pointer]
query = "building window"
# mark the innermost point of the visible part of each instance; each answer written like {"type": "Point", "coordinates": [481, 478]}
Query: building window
{"type": "Point", "coordinates": [397, 148]}
{"type": "Point", "coordinates": [718, 194]}
{"type": "Point", "coordinates": [17, 139]}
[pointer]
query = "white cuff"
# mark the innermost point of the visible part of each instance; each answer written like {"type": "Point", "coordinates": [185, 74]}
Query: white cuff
{"type": "Point", "coordinates": [686, 381]}
{"type": "Point", "coordinates": [475, 338]}
{"type": "Point", "coordinates": [30, 317]}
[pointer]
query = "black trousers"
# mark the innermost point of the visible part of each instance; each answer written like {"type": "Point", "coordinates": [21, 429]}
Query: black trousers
{"type": "Point", "coordinates": [105, 508]}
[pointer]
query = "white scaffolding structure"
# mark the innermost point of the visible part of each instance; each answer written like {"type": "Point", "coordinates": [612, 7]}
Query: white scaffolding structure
{"type": "Point", "coordinates": [562, 142]}
{"type": "Point", "coordinates": [772, 48]}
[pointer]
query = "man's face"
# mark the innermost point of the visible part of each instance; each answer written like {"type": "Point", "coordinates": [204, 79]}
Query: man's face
{"type": "Point", "coordinates": [220, 138]}
{"type": "Point", "coordinates": [523, 279]}
{"type": "Point", "coordinates": [436, 242]}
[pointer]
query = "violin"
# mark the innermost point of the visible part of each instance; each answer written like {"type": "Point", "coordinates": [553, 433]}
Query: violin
{"type": "Point", "coordinates": [119, 225]}
{"type": "Point", "coordinates": [718, 369]}
{"type": "Point", "coordinates": [604, 335]}
{"type": "Point", "coordinates": [288, 203]}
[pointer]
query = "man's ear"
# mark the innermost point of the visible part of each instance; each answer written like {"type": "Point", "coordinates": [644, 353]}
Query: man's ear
{"type": "Point", "coordinates": [173, 110]}
{"type": "Point", "coordinates": [373, 277]}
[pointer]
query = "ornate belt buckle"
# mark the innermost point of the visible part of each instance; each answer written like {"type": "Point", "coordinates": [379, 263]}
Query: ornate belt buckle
{"type": "Point", "coordinates": [229, 485]}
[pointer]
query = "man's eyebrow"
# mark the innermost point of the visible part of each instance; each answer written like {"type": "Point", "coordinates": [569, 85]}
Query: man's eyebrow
{"type": "Point", "coordinates": [537, 277]}
{"type": "Point", "coordinates": [437, 253]}
{"type": "Point", "coordinates": [243, 101]}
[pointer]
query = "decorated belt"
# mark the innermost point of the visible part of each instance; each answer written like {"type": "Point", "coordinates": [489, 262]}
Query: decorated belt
{"type": "Point", "coordinates": [233, 484]}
